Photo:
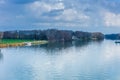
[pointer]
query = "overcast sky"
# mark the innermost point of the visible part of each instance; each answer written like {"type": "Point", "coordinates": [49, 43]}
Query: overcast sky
{"type": "Point", "coordinates": [86, 15]}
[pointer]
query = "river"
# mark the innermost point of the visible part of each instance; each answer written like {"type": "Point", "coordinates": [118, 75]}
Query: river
{"type": "Point", "coordinates": [62, 61]}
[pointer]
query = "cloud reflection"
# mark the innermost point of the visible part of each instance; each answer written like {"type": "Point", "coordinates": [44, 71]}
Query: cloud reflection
{"type": "Point", "coordinates": [1, 55]}
{"type": "Point", "coordinates": [74, 61]}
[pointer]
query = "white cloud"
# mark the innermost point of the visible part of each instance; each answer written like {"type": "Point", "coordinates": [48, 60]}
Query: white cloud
{"type": "Point", "coordinates": [72, 15]}
{"type": "Point", "coordinates": [39, 7]}
{"type": "Point", "coordinates": [111, 19]}
{"type": "Point", "coordinates": [58, 6]}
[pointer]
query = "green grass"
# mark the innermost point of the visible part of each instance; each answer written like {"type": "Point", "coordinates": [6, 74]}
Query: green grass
{"type": "Point", "coordinates": [11, 41]}
{"type": "Point", "coordinates": [19, 42]}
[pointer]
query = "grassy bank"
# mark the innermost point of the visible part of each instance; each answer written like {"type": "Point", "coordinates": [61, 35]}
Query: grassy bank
{"type": "Point", "coordinates": [19, 42]}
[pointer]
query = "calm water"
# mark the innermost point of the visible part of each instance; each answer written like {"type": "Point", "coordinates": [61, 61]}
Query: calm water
{"type": "Point", "coordinates": [62, 61]}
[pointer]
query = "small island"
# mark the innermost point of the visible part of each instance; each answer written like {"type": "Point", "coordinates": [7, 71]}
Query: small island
{"type": "Point", "coordinates": [34, 37]}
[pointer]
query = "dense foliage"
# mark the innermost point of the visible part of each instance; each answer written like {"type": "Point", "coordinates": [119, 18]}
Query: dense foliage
{"type": "Point", "coordinates": [51, 35]}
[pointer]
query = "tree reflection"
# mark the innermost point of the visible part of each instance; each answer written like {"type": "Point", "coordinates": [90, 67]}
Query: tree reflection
{"type": "Point", "coordinates": [53, 47]}
{"type": "Point", "coordinates": [57, 46]}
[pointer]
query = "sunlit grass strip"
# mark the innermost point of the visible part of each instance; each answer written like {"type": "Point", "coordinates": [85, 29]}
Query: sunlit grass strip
{"type": "Point", "coordinates": [39, 42]}
{"type": "Point", "coordinates": [11, 45]}
{"type": "Point", "coordinates": [19, 42]}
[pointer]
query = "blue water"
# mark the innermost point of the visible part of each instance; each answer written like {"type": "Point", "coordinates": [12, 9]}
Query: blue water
{"type": "Point", "coordinates": [62, 61]}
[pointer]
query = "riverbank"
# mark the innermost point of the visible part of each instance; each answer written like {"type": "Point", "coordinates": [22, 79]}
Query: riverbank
{"type": "Point", "coordinates": [18, 42]}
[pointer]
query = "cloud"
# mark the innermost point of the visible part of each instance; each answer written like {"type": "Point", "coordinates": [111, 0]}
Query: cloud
{"type": "Point", "coordinates": [53, 13]}
{"type": "Point", "coordinates": [78, 13]}
{"type": "Point", "coordinates": [20, 1]}
{"type": "Point", "coordinates": [72, 15]}
{"type": "Point", "coordinates": [38, 8]}
{"type": "Point", "coordinates": [57, 12]}
{"type": "Point", "coordinates": [111, 19]}
{"type": "Point", "coordinates": [111, 5]}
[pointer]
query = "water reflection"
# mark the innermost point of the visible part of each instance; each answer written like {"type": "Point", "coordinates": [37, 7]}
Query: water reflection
{"type": "Point", "coordinates": [58, 46]}
{"type": "Point", "coordinates": [55, 47]}
{"type": "Point", "coordinates": [1, 55]}
{"type": "Point", "coordinates": [76, 61]}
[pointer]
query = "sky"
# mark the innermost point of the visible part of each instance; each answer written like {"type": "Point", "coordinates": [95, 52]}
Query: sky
{"type": "Point", "coordinates": [85, 15]}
